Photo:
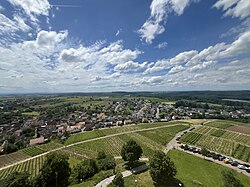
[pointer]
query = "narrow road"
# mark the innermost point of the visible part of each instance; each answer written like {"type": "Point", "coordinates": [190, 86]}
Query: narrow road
{"type": "Point", "coordinates": [107, 181]}
{"type": "Point", "coordinates": [90, 140]}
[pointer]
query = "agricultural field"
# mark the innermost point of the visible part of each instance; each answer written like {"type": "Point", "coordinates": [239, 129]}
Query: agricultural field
{"type": "Point", "coordinates": [31, 166]}
{"type": "Point", "coordinates": [110, 145]}
{"type": "Point", "coordinates": [12, 158]}
{"type": "Point", "coordinates": [147, 139]}
{"type": "Point", "coordinates": [33, 151]}
{"type": "Point", "coordinates": [108, 131]}
{"type": "Point", "coordinates": [225, 142]}
{"type": "Point", "coordinates": [224, 124]}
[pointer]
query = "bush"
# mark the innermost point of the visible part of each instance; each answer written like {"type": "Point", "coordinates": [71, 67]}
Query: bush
{"type": "Point", "coordinates": [84, 170]}
{"type": "Point", "coordinates": [118, 181]}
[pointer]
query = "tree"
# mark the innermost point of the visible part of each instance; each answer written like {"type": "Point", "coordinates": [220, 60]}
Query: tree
{"type": "Point", "coordinates": [106, 163]}
{"type": "Point", "coordinates": [204, 152]}
{"type": "Point", "coordinates": [54, 172]}
{"type": "Point", "coordinates": [161, 167]}
{"type": "Point", "coordinates": [131, 151]}
{"type": "Point", "coordinates": [101, 155]}
{"type": "Point", "coordinates": [16, 179]}
{"type": "Point", "coordinates": [84, 170]}
{"type": "Point", "coordinates": [229, 179]}
{"type": "Point", "coordinates": [118, 181]}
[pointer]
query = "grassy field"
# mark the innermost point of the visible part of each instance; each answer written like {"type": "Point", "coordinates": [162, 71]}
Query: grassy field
{"type": "Point", "coordinates": [225, 142]}
{"type": "Point", "coordinates": [205, 172]}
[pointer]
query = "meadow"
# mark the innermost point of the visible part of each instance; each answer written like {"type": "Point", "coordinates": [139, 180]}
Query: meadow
{"type": "Point", "coordinates": [205, 173]}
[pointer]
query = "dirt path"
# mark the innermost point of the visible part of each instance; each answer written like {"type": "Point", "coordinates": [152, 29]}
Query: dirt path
{"type": "Point", "coordinates": [90, 140]}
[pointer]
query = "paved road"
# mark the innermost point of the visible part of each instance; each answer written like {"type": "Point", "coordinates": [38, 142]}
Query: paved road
{"type": "Point", "coordinates": [85, 141]}
{"type": "Point", "coordinates": [126, 173]}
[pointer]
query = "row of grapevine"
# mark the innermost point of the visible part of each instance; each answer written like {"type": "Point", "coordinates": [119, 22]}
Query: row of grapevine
{"type": "Point", "coordinates": [31, 166]}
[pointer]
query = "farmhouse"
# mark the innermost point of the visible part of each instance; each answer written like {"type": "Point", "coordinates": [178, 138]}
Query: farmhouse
{"type": "Point", "coordinates": [37, 141]}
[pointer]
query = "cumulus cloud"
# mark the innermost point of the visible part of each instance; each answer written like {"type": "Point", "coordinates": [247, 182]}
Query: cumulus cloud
{"type": "Point", "coordinates": [113, 54]}
{"type": "Point", "coordinates": [176, 69]}
{"type": "Point", "coordinates": [130, 66]}
{"type": "Point", "coordinates": [159, 11]}
{"type": "Point", "coordinates": [238, 8]}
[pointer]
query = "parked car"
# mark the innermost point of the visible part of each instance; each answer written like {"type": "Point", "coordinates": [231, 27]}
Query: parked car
{"type": "Point", "coordinates": [240, 166]}
{"type": "Point", "coordinates": [234, 163]}
{"type": "Point", "coordinates": [221, 158]}
{"type": "Point", "coordinates": [226, 161]}
{"type": "Point", "coordinates": [182, 146]}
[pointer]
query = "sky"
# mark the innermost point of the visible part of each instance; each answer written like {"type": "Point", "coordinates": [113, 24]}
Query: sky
{"type": "Point", "coordinates": [51, 46]}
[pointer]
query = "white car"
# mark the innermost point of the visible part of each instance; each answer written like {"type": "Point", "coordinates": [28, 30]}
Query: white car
{"type": "Point", "coordinates": [241, 166]}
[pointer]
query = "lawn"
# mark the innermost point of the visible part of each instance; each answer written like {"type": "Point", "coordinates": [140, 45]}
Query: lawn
{"type": "Point", "coordinates": [205, 172]}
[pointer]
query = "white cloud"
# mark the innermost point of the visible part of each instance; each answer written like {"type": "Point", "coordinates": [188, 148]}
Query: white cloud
{"type": "Point", "coordinates": [234, 8]}
{"type": "Point", "coordinates": [9, 26]}
{"type": "Point", "coordinates": [241, 45]}
{"type": "Point", "coordinates": [130, 66]}
{"type": "Point", "coordinates": [162, 45]}
{"type": "Point", "coordinates": [181, 58]}
{"type": "Point", "coordinates": [113, 54]}
{"type": "Point", "coordinates": [33, 9]}
{"type": "Point", "coordinates": [176, 69]}
{"type": "Point", "coordinates": [159, 11]}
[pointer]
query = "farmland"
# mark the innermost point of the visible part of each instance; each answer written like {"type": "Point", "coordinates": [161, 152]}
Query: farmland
{"type": "Point", "coordinates": [222, 141]}
{"type": "Point", "coordinates": [31, 166]}
{"type": "Point", "coordinates": [146, 139]}
{"type": "Point", "coordinates": [110, 145]}
{"type": "Point", "coordinates": [33, 151]}
{"type": "Point", "coordinates": [109, 131]}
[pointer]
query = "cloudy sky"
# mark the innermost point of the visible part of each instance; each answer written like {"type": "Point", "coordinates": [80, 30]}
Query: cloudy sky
{"type": "Point", "coordinates": [124, 45]}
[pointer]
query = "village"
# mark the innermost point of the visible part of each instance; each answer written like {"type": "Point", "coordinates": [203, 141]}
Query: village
{"type": "Point", "coordinates": [39, 129]}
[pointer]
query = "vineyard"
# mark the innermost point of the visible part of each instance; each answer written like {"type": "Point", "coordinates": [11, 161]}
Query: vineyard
{"type": "Point", "coordinates": [12, 158]}
{"type": "Point", "coordinates": [109, 131]}
{"type": "Point", "coordinates": [221, 141]}
{"type": "Point", "coordinates": [111, 145]}
{"type": "Point", "coordinates": [149, 140]}
{"type": "Point", "coordinates": [33, 151]}
{"type": "Point", "coordinates": [31, 166]}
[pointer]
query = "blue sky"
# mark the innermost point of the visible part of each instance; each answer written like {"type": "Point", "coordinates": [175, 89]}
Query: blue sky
{"type": "Point", "coordinates": [118, 45]}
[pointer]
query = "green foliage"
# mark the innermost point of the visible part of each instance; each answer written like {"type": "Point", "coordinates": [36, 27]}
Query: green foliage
{"type": "Point", "coordinates": [54, 172]}
{"type": "Point", "coordinates": [16, 179]}
{"type": "Point", "coordinates": [106, 163]}
{"type": "Point", "coordinates": [118, 181]}
{"type": "Point", "coordinates": [101, 155]}
{"type": "Point", "coordinates": [161, 167]}
{"type": "Point", "coordinates": [229, 179]}
{"type": "Point", "coordinates": [204, 151]}
{"type": "Point", "coordinates": [84, 170]}
{"type": "Point", "coordinates": [9, 148]}
{"type": "Point", "coordinates": [131, 151]}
